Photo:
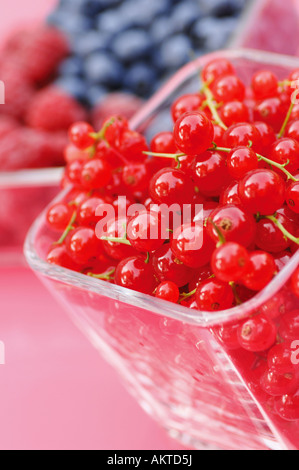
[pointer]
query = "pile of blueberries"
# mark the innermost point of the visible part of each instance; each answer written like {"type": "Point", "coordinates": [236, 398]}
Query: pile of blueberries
{"type": "Point", "coordinates": [133, 45]}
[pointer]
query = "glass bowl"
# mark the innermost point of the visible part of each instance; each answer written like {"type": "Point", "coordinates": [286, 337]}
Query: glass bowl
{"type": "Point", "coordinates": [23, 195]}
{"type": "Point", "coordinates": [196, 388]}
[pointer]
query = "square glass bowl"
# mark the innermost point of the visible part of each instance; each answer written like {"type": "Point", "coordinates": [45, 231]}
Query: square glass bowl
{"type": "Point", "coordinates": [202, 393]}
{"type": "Point", "coordinates": [23, 195]}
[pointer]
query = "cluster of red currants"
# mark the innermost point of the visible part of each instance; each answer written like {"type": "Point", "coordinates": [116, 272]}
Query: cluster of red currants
{"type": "Point", "coordinates": [234, 150]}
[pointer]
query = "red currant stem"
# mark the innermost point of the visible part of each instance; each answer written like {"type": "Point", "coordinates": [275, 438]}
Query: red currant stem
{"type": "Point", "coordinates": [213, 107]}
{"type": "Point", "coordinates": [185, 296]}
{"type": "Point", "coordinates": [68, 229]}
{"type": "Point", "coordinates": [267, 160]}
{"type": "Point", "coordinates": [105, 276]}
{"type": "Point", "coordinates": [234, 289]}
{"type": "Point", "coordinates": [285, 83]}
{"type": "Point", "coordinates": [282, 229]}
{"type": "Point", "coordinates": [219, 233]}
{"type": "Point", "coordinates": [282, 130]}
{"type": "Point", "coordinates": [101, 134]}
{"type": "Point", "coordinates": [122, 240]}
{"type": "Point", "coordinates": [174, 156]}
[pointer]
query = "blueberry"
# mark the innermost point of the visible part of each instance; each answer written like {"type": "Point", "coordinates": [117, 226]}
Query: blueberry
{"type": "Point", "coordinates": [95, 94]}
{"type": "Point", "coordinates": [72, 24]}
{"type": "Point", "coordinates": [140, 79]}
{"type": "Point", "coordinates": [213, 33]}
{"type": "Point", "coordinates": [73, 85]}
{"type": "Point", "coordinates": [174, 52]}
{"type": "Point", "coordinates": [132, 45]}
{"type": "Point", "coordinates": [71, 67]}
{"type": "Point", "coordinates": [112, 22]}
{"type": "Point", "coordinates": [103, 69]}
{"type": "Point", "coordinates": [92, 41]}
{"type": "Point", "coordinates": [161, 29]}
{"type": "Point", "coordinates": [222, 8]}
{"type": "Point", "coordinates": [184, 15]}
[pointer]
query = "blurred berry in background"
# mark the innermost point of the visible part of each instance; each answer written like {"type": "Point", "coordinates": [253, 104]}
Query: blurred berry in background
{"type": "Point", "coordinates": [134, 45]}
{"type": "Point", "coordinates": [95, 58]}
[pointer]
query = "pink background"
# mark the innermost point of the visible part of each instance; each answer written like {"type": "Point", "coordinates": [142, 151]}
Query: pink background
{"type": "Point", "coordinates": [55, 390]}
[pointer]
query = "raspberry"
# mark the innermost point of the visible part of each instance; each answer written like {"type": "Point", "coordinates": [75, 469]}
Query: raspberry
{"type": "Point", "coordinates": [18, 92]}
{"type": "Point", "coordinates": [38, 52]}
{"type": "Point", "coordinates": [28, 148]}
{"type": "Point", "coordinates": [52, 110]}
{"type": "Point", "coordinates": [7, 124]}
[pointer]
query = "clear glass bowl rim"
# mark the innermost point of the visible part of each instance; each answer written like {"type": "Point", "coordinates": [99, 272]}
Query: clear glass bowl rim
{"type": "Point", "coordinates": [146, 302]}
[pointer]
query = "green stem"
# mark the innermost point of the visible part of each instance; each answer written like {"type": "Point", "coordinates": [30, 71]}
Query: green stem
{"type": "Point", "coordinates": [123, 241]}
{"type": "Point", "coordinates": [105, 276]}
{"type": "Point", "coordinates": [234, 289]}
{"type": "Point", "coordinates": [68, 229]}
{"type": "Point", "coordinates": [174, 156]}
{"type": "Point", "coordinates": [213, 107]}
{"type": "Point", "coordinates": [187, 296]}
{"type": "Point", "coordinates": [282, 229]}
{"type": "Point", "coordinates": [282, 130]}
{"type": "Point", "coordinates": [264, 159]}
{"type": "Point", "coordinates": [219, 233]}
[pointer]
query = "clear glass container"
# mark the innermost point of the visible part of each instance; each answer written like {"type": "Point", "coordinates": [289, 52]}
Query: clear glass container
{"type": "Point", "coordinates": [203, 394]}
{"type": "Point", "coordinates": [23, 195]}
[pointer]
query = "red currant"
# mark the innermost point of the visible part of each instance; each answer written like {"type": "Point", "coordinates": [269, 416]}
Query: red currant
{"type": "Point", "coordinates": [229, 262]}
{"type": "Point", "coordinates": [292, 130]}
{"type": "Point", "coordinates": [280, 358]}
{"type": "Point", "coordinates": [87, 211]}
{"type": "Point", "coordinates": [260, 270]}
{"type": "Point", "coordinates": [213, 295]}
{"type": "Point", "coordinates": [79, 135]}
{"type": "Point", "coordinates": [135, 273]}
{"type": "Point", "coordinates": [192, 245]}
{"type": "Point", "coordinates": [234, 224]}
{"type": "Point", "coordinates": [95, 174]}
{"type": "Point", "coordinates": [217, 68]}
{"type": "Point", "coordinates": [234, 112]}
{"type": "Point", "coordinates": [262, 191]}
{"type": "Point", "coordinates": [270, 238]}
{"type": "Point", "coordinates": [210, 172]}
{"type": "Point", "coordinates": [146, 232]}
{"type": "Point", "coordinates": [242, 134]}
{"type": "Point", "coordinates": [60, 257]}
{"type": "Point", "coordinates": [286, 152]}
{"type": "Point", "coordinates": [171, 186]}
{"type": "Point", "coordinates": [82, 244]}
{"type": "Point", "coordinates": [168, 291]}
{"type": "Point", "coordinates": [228, 88]}
{"type": "Point", "coordinates": [292, 197]}
{"type": "Point", "coordinates": [193, 133]}
{"type": "Point", "coordinates": [240, 161]}
{"type": "Point", "coordinates": [230, 195]}
{"type": "Point", "coordinates": [186, 104]}
{"type": "Point", "coordinates": [276, 384]}
{"type": "Point", "coordinates": [270, 111]}
{"type": "Point", "coordinates": [264, 84]}
{"type": "Point", "coordinates": [59, 216]}
{"type": "Point", "coordinates": [257, 334]}
{"type": "Point", "coordinates": [168, 268]}
{"type": "Point", "coordinates": [287, 407]}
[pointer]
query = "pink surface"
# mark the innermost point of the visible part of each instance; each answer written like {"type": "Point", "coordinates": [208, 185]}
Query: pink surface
{"type": "Point", "coordinates": [55, 390]}
{"type": "Point", "coordinates": [14, 13]}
